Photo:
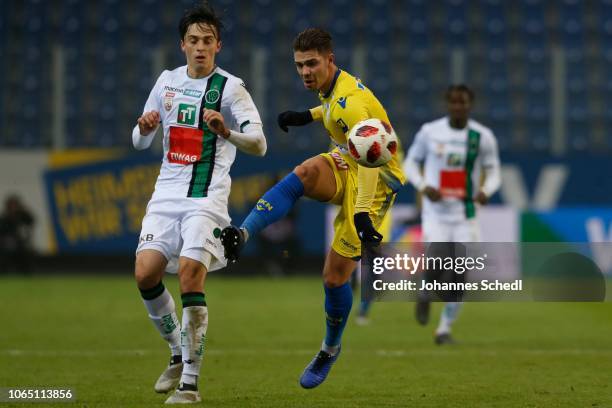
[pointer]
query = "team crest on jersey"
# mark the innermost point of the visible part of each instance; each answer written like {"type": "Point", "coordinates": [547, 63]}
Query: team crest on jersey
{"type": "Point", "coordinates": [212, 96]}
{"type": "Point", "coordinates": [168, 100]}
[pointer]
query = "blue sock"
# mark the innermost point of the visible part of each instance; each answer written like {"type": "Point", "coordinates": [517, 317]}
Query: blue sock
{"type": "Point", "coordinates": [338, 303]}
{"type": "Point", "coordinates": [275, 204]}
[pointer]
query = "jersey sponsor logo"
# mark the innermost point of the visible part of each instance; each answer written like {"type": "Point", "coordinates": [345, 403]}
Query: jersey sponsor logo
{"type": "Point", "coordinates": [182, 158]}
{"type": "Point", "coordinates": [454, 160]}
{"type": "Point", "coordinates": [193, 93]}
{"type": "Point", "coordinates": [147, 238]}
{"type": "Point", "coordinates": [348, 244]}
{"type": "Point", "coordinates": [185, 145]}
{"type": "Point", "coordinates": [171, 89]}
{"type": "Point", "coordinates": [168, 100]}
{"type": "Point", "coordinates": [342, 102]}
{"type": "Point", "coordinates": [452, 183]}
{"type": "Point", "coordinates": [186, 114]}
{"type": "Point", "coordinates": [212, 96]}
{"type": "Point", "coordinates": [210, 243]}
{"type": "Point", "coordinates": [339, 161]}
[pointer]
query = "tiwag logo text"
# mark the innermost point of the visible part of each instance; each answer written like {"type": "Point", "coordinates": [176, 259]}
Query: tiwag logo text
{"type": "Point", "coordinates": [185, 145]}
{"type": "Point", "coordinates": [176, 157]}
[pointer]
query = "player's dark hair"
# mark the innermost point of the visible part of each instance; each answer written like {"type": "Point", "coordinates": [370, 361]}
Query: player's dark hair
{"type": "Point", "coordinates": [313, 39]}
{"type": "Point", "coordinates": [459, 88]}
{"type": "Point", "coordinates": [201, 14]}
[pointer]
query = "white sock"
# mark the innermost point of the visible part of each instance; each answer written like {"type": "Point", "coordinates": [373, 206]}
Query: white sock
{"type": "Point", "coordinates": [330, 349]}
{"type": "Point", "coordinates": [193, 338]}
{"type": "Point", "coordinates": [448, 316]}
{"type": "Point", "coordinates": [162, 313]}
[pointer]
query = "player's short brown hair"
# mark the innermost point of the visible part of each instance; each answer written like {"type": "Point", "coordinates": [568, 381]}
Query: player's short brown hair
{"type": "Point", "coordinates": [313, 39]}
{"type": "Point", "coordinates": [201, 14]}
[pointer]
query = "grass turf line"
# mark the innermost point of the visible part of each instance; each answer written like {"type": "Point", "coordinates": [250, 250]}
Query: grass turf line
{"type": "Point", "coordinates": [92, 334]}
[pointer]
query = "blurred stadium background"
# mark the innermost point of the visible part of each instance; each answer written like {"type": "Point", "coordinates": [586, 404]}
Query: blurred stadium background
{"type": "Point", "coordinates": [75, 75]}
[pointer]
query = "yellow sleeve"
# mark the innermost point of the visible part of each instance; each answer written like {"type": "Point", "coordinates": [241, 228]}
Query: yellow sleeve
{"type": "Point", "coordinates": [317, 113]}
{"type": "Point", "coordinates": [367, 180]}
{"type": "Point", "coordinates": [355, 110]}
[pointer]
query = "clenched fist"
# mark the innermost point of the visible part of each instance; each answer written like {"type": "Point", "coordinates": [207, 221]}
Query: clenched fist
{"type": "Point", "coordinates": [215, 122]}
{"type": "Point", "coordinates": [148, 122]}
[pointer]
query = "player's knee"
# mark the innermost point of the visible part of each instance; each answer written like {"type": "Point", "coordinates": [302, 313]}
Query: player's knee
{"type": "Point", "coordinates": [307, 174]}
{"type": "Point", "coordinates": [333, 280]}
{"type": "Point", "coordinates": [144, 274]}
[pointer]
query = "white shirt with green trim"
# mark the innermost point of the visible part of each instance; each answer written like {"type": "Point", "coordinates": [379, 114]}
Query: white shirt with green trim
{"type": "Point", "coordinates": [443, 152]}
{"type": "Point", "coordinates": [196, 162]}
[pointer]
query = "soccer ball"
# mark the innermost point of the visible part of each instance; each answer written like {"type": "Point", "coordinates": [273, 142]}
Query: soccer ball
{"type": "Point", "coordinates": [372, 142]}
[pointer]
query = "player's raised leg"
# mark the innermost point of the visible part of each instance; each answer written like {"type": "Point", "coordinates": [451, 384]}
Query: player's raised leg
{"type": "Point", "coordinates": [313, 178]}
{"type": "Point", "coordinates": [150, 265]}
{"type": "Point", "coordinates": [338, 303]}
{"type": "Point", "coordinates": [192, 275]}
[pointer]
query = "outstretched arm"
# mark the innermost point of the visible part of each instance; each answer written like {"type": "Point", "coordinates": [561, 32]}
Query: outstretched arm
{"type": "Point", "coordinates": [293, 118]}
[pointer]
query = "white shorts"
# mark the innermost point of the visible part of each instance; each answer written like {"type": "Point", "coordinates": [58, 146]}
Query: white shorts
{"type": "Point", "coordinates": [188, 227]}
{"type": "Point", "coordinates": [439, 231]}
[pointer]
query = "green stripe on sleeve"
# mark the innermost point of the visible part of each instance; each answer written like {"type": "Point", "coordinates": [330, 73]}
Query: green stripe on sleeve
{"type": "Point", "coordinates": [246, 122]}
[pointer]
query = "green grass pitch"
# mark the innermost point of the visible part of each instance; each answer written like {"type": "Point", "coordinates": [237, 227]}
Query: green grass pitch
{"type": "Point", "coordinates": [92, 334]}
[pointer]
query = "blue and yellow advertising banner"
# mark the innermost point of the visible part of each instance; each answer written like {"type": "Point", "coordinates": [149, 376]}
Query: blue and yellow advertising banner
{"type": "Point", "coordinates": [99, 207]}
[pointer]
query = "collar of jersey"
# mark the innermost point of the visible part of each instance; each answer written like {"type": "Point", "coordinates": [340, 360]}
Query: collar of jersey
{"type": "Point", "coordinates": [333, 84]}
{"type": "Point", "coordinates": [198, 79]}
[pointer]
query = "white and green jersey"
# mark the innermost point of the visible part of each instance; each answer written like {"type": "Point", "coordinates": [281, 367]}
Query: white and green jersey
{"type": "Point", "coordinates": [453, 160]}
{"type": "Point", "coordinates": [196, 162]}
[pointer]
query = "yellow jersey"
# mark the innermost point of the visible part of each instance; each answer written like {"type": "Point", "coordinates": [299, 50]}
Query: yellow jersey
{"type": "Point", "coordinates": [347, 103]}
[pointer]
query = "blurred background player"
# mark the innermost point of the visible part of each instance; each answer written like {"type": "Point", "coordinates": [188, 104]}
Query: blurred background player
{"type": "Point", "coordinates": [206, 113]}
{"type": "Point", "coordinates": [16, 224]}
{"type": "Point", "coordinates": [456, 153]}
{"type": "Point", "coordinates": [364, 194]}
